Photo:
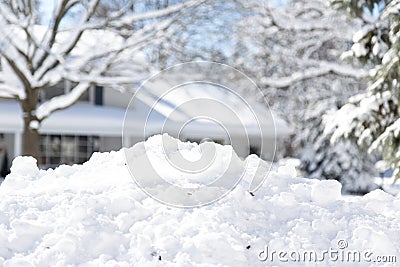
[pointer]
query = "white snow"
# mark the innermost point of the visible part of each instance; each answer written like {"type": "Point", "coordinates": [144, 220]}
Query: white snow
{"type": "Point", "coordinates": [95, 215]}
{"type": "Point", "coordinates": [326, 192]}
{"type": "Point", "coordinates": [34, 125]}
{"type": "Point", "coordinates": [362, 33]}
{"type": "Point", "coordinates": [359, 49]}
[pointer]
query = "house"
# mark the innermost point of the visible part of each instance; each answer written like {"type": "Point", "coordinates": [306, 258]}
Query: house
{"type": "Point", "coordinates": [100, 121]}
{"type": "Point", "coordinates": [96, 123]}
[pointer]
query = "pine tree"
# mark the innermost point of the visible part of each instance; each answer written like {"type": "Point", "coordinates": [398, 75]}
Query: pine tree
{"type": "Point", "coordinates": [372, 118]}
{"type": "Point", "coordinates": [341, 161]}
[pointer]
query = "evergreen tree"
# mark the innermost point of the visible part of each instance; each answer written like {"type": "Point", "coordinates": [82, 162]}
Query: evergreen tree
{"type": "Point", "coordinates": [372, 118]}
{"type": "Point", "coordinates": [341, 161]}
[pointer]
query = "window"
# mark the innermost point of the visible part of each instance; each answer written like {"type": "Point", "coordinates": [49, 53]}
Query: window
{"type": "Point", "coordinates": [66, 149]}
{"type": "Point", "coordinates": [98, 95]}
{"type": "Point", "coordinates": [93, 94]}
{"type": "Point", "coordinates": [48, 93]}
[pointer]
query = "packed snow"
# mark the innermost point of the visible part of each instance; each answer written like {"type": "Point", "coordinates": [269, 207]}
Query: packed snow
{"type": "Point", "coordinates": [94, 214]}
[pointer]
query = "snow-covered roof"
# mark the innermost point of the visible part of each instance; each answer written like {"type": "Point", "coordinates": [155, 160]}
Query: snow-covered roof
{"type": "Point", "coordinates": [203, 100]}
{"type": "Point", "coordinates": [81, 118]}
{"type": "Point", "coordinates": [88, 119]}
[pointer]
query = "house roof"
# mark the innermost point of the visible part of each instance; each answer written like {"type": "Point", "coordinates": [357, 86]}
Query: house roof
{"type": "Point", "coordinates": [213, 107]}
{"type": "Point", "coordinates": [87, 119]}
{"type": "Point", "coordinates": [81, 118]}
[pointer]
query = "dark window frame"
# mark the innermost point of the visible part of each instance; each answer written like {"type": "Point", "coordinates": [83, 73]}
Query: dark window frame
{"type": "Point", "coordinates": [56, 150]}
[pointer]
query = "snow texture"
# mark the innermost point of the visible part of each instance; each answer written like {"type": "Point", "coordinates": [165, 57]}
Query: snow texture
{"type": "Point", "coordinates": [95, 215]}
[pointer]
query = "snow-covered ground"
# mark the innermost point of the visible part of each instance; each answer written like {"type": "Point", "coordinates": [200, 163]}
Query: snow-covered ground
{"type": "Point", "coordinates": [389, 184]}
{"type": "Point", "coordinates": [95, 215]}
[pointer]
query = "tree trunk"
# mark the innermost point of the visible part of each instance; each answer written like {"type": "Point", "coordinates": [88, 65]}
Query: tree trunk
{"type": "Point", "coordinates": [30, 140]}
{"type": "Point", "coordinates": [30, 135]}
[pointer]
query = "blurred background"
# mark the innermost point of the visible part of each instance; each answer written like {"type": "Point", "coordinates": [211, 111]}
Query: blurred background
{"type": "Point", "coordinates": [69, 68]}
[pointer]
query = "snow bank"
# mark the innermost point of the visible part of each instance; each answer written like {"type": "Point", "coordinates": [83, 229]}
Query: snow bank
{"type": "Point", "coordinates": [94, 214]}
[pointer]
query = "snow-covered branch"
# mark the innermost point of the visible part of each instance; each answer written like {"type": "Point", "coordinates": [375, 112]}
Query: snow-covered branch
{"type": "Point", "coordinates": [9, 93]}
{"type": "Point", "coordinates": [324, 68]}
{"type": "Point", "coordinates": [73, 37]}
{"type": "Point", "coordinates": [128, 20]}
{"type": "Point", "coordinates": [62, 101]}
{"type": "Point", "coordinates": [40, 56]}
{"type": "Point", "coordinates": [303, 16]}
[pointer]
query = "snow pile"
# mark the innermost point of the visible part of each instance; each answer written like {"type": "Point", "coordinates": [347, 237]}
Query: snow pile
{"type": "Point", "coordinates": [94, 214]}
{"type": "Point", "coordinates": [187, 174]}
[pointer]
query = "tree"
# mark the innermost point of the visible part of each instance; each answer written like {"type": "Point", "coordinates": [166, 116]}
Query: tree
{"type": "Point", "coordinates": [77, 45]}
{"type": "Point", "coordinates": [342, 161]}
{"type": "Point", "coordinates": [372, 117]}
{"type": "Point", "coordinates": [293, 51]}
{"type": "Point", "coordinates": [207, 35]}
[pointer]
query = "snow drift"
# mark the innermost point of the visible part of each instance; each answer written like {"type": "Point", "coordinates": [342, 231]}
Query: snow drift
{"type": "Point", "coordinates": [94, 214]}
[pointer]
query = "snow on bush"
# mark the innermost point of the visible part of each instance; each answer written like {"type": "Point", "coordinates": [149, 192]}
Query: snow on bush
{"type": "Point", "coordinates": [94, 214]}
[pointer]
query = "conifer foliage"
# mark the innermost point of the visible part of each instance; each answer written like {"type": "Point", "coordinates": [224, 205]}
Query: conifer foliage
{"type": "Point", "coordinates": [372, 118]}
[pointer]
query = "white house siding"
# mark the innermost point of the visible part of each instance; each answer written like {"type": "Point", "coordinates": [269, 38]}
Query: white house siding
{"type": "Point", "coordinates": [115, 98]}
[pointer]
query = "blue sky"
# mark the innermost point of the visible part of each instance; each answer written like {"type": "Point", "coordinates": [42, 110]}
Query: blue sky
{"type": "Point", "coordinates": [46, 8]}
